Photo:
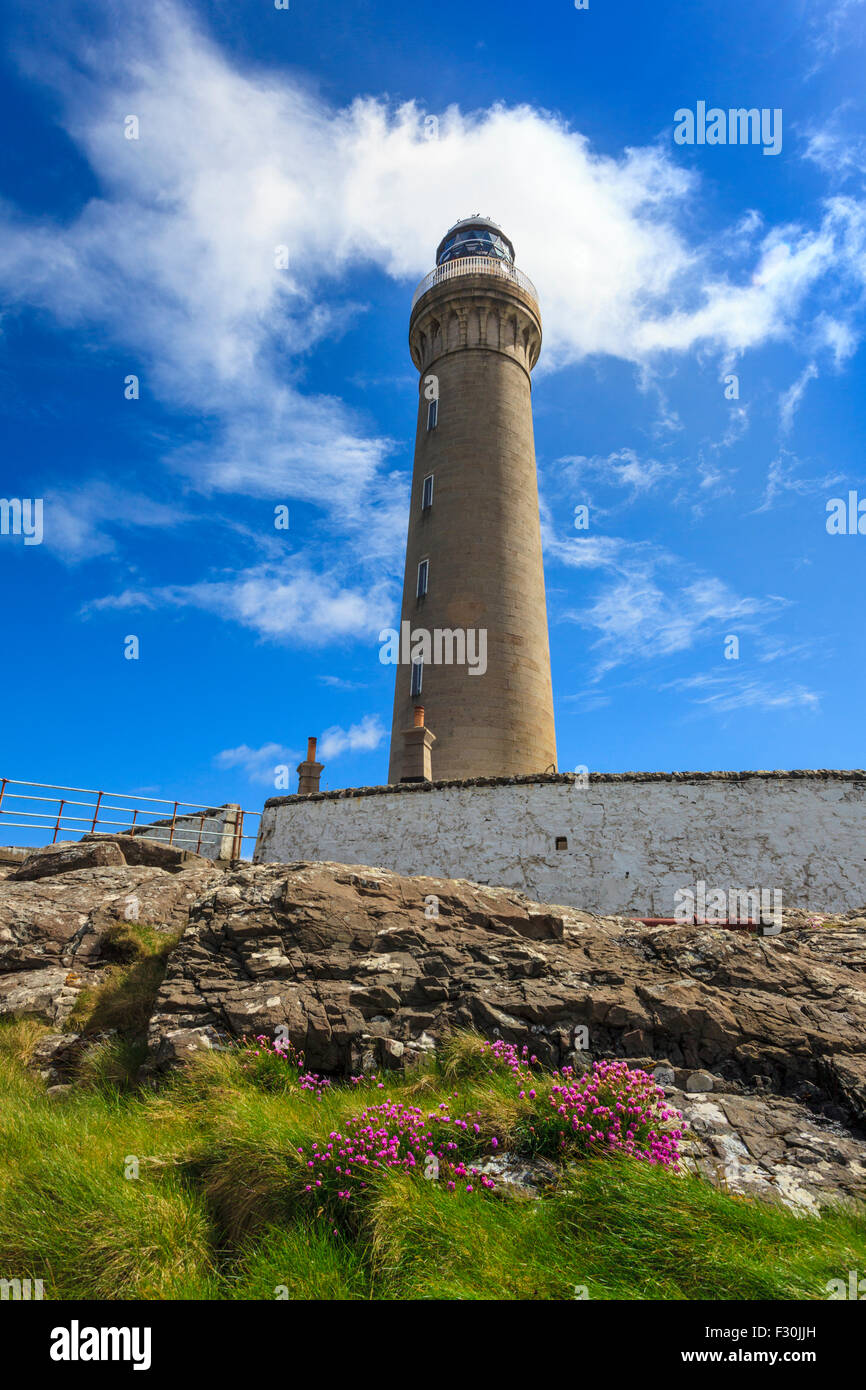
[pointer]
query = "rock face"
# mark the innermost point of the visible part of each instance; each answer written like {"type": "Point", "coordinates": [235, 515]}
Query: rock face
{"type": "Point", "coordinates": [773, 1148]}
{"type": "Point", "coordinates": [56, 908]}
{"type": "Point", "coordinates": [760, 1041]}
{"type": "Point", "coordinates": [361, 961]}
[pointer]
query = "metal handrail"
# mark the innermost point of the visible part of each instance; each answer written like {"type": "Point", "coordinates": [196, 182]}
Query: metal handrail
{"type": "Point", "coordinates": [92, 791]}
{"type": "Point", "coordinates": [142, 825]}
{"type": "Point", "coordinates": [164, 810]}
{"type": "Point", "coordinates": [474, 265]}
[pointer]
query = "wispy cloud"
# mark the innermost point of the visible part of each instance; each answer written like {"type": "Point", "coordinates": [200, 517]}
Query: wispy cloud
{"type": "Point", "coordinates": [622, 468]}
{"type": "Point", "coordinates": [789, 400]}
{"type": "Point", "coordinates": [731, 691]}
{"type": "Point", "coordinates": [83, 523]}
{"type": "Point", "coordinates": [783, 477]}
{"type": "Point", "coordinates": [650, 604]}
{"type": "Point", "coordinates": [340, 684]}
{"type": "Point", "coordinates": [839, 153]}
{"type": "Point", "coordinates": [834, 26]}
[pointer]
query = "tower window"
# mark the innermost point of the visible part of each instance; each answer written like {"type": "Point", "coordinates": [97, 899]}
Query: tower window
{"type": "Point", "coordinates": [427, 490]}
{"type": "Point", "coordinates": [432, 414]}
{"type": "Point", "coordinates": [423, 575]}
{"type": "Point", "coordinates": [417, 674]}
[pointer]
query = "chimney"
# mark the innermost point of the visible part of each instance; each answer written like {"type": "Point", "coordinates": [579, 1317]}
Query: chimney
{"type": "Point", "coordinates": [417, 743]}
{"type": "Point", "coordinates": [309, 771]}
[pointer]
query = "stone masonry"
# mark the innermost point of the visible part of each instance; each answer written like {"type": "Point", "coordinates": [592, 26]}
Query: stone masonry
{"type": "Point", "coordinates": [479, 336]}
{"type": "Point", "coordinates": [605, 842]}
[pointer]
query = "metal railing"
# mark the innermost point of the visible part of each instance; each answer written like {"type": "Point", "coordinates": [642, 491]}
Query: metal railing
{"type": "Point", "coordinates": [474, 265]}
{"type": "Point", "coordinates": [181, 823]}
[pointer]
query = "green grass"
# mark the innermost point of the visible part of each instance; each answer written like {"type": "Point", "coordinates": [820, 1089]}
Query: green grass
{"type": "Point", "coordinates": [137, 956]}
{"type": "Point", "coordinates": [219, 1211]}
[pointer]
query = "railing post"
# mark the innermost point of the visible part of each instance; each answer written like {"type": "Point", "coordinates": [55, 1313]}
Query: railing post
{"type": "Point", "coordinates": [238, 845]}
{"type": "Point", "coordinates": [59, 817]}
{"type": "Point", "coordinates": [3, 789]}
{"type": "Point", "coordinates": [96, 812]}
{"type": "Point", "coordinates": [200, 829]}
{"type": "Point", "coordinates": [173, 819]}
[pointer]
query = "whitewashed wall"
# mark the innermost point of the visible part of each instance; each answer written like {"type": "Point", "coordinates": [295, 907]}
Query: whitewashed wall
{"type": "Point", "coordinates": [632, 840]}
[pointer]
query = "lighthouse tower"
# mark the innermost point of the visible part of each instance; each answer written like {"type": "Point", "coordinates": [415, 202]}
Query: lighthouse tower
{"type": "Point", "coordinates": [474, 571]}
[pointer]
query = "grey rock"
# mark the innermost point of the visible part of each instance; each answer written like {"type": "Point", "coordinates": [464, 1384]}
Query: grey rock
{"type": "Point", "coordinates": [63, 859]}
{"type": "Point", "coordinates": [699, 1081]}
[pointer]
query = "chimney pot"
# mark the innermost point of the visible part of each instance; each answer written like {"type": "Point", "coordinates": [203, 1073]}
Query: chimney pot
{"type": "Point", "coordinates": [309, 771]}
{"type": "Point", "coordinates": [417, 743]}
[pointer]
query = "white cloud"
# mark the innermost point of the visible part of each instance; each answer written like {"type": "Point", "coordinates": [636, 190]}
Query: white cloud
{"type": "Point", "coordinates": [839, 153]}
{"type": "Point", "coordinates": [360, 738]}
{"type": "Point", "coordinates": [789, 400]}
{"type": "Point", "coordinates": [173, 261]}
{"type": "Point", "coordinates": [176, 257]}
{"type": "Point", "coordinates": [259, 764]}
{"type": "Point", "coordinates": [636, 618]}
{"type": "Point", "coordinates": [279, 603]}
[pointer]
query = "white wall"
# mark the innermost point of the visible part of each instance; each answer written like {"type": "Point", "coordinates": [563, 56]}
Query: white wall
{"type": "Point", "coordinates": [632, 839]}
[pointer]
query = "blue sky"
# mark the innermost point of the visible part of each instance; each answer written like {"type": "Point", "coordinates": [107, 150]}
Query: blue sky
{"type": "Point", "coordinates": [662, 269]}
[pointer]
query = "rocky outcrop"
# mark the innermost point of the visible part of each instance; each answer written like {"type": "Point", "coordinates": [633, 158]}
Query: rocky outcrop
{"type": "Point", "coordinates": [766, 1146]}
{"type": "Point", "coordinates": [56, 908]}
{"type": "Point", "coordinates": [64, 858]}
{"type": "Point", "coordinates": [363, 964]}
{"type": "Point", "coordinates": [759, 1040]}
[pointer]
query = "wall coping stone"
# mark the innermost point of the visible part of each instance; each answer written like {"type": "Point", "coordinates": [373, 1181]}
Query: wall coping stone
{"type": "Point", "coordinates": [567, 779]}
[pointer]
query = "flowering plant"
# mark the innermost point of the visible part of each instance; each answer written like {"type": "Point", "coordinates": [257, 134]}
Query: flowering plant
{"type": "Point", "coordinates": [276, 1064]}
{"type": "Point", "coordinates": [395, 1136]}
{"type": "Point", "coordinates": [610, 1110]}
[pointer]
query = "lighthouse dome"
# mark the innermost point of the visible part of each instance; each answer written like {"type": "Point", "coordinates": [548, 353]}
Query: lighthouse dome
{"type": "Point", "coordinates": [474, 236]}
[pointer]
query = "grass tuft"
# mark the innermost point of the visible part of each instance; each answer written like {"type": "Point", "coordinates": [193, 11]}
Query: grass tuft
{"type": "Point", "coordinates": [198, 1191]}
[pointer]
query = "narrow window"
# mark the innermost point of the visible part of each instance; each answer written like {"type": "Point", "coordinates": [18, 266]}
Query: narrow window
{"type": "Point", "coordinates": [417, 672]}
{"type": "Point", "coordinates": [427, 491]}
{"type": "Point", "coordinates": [432, 414]}
{"type": "Point", "coordinates": [423, 572]}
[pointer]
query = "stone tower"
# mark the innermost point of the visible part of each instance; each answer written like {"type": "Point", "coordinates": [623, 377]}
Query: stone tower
{"type": "Point", "coordinates": [473, 553]}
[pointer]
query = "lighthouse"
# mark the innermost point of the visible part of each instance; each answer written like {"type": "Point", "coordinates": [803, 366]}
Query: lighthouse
{"type": "Point", "coordinates": [475, 659]}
